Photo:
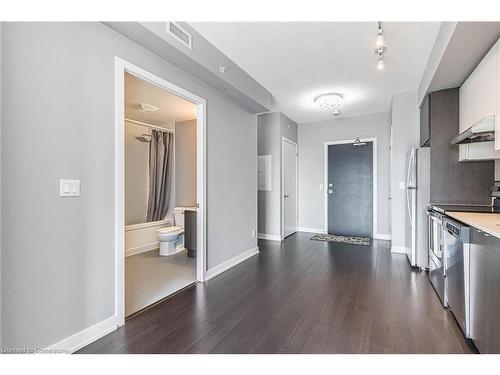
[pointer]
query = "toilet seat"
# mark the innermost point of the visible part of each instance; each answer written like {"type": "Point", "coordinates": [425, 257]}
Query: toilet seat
{"type": "Point", "coordinates": [170, 230]}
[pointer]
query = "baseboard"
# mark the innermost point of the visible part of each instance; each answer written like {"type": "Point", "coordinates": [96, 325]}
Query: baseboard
{"type": "Point", "coordinates": [217, 270]}
{"type": "Point", "coordinates": [311, 230]}
{"type": "Point", "coordinates": [270, 237]}
{"type": "Point", "coordinates": [398, 249]}
{"type": "Point", "coordinates": [142, 248]}
{"type": "Point", "coordinates": [80, 339]}
{"type": "Point", "coordinates": [379, 236]}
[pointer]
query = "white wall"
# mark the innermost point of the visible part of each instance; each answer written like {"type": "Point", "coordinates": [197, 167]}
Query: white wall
{"type": "Point", "coordinates": [312, 137]}
{"type": "Point", "coordinates": [58, 121]}
{"type": "Point", "coordinates": [136, 174]}
{"type": "Point", "coordinates": [271, 128]}
{"type": "Point", "coordinates": [405, 135]}
{"type": "Point", "coordinates": [185, 163]}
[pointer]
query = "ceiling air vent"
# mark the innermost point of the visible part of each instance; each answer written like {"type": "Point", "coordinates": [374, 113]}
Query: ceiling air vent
{"type": "Point", "coordinates": [180, 34]}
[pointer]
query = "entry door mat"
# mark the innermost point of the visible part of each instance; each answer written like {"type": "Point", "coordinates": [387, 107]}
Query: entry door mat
{"type": "Point", "coordinates": [365, 241]}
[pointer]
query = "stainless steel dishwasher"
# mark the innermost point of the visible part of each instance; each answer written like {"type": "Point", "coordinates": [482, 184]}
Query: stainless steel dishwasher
{"type": "Point", "coordinates": [456, 251]}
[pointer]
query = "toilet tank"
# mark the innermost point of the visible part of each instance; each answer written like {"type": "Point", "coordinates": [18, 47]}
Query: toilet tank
{"type": "Point", "coordinates": [179, 216]}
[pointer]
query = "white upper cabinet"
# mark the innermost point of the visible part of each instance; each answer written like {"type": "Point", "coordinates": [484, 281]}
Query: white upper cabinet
{"type": "Point", "coordinates": [480, 100]}
{"type": "Point", "coordinates": [478, 151]}
{"type": "Point", "coordinates": [464, 111]}
{"type": "Point", "coordinates": [477, 94]}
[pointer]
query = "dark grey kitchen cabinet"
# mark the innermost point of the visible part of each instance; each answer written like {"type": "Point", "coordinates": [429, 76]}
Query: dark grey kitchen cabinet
{"type": "Point", "coordinates": [425, 122]}
{"type": "Point", "coordinates": [190, 233]}
{"type": "Point", "coordinates": [485, 292]}
{"type": "Point", "coordinates": [493, 309]}
{"type": "Point", "coordinates": [452, 181]}
{"type": "Point", "coordinates": [478, 289]}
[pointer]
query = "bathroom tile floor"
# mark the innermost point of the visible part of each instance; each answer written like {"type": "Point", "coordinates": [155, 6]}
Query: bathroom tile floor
{"type": "Point", "coordinates": [150, 277]}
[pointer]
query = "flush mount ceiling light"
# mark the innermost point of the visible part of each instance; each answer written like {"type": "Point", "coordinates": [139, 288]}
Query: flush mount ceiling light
{"type": "Point", "coordinates": [143, 107]}
{"type": "Point", "coordinates": [381, 48]}
{"type": "Point", "coordinates": [329, 102]}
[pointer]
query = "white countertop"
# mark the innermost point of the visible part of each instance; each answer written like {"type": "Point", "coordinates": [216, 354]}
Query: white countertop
{"type": "Point", "coordinates": [186, 208]}
{"type": "Point", "coordinates": [489, 223]}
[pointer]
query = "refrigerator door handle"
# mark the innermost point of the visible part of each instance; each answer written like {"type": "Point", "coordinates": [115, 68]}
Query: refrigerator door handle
{"type": "Point", "coordinates": [408, 172]}
{"type": "Point", "coordinates": [408, 203]}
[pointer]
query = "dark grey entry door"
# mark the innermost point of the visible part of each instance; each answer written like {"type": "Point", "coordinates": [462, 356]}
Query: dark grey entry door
{"type": "Point", "coordinates": [350, 189]}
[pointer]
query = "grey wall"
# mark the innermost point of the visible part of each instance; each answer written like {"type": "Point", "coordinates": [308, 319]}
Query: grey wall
{"type": "Point", "coordinates": [58, 121]}
{"type": "Point", "coordinates": [185, 163]}
{"type": "Point", "coordinates": [405, 135]}
{"type": "Point", "coordinates": [312, 137]}
{"type": "Point", "coordinates": [202, 61]}
{"type": "Point", "coordinates": [136, 174]}
{"type": "Point", "coordinates": [271, 128]}
{"type": "Point", "coordinates": [288, 128]}
{"type": "Point", "coordinates": [268, 134]}
{"type": "Point", "coordinates": [443, 37]}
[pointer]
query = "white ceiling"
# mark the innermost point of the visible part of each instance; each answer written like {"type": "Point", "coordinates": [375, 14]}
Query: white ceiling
{"type": "Point", "coordinates": [296, 61]}
{"type": "Point", "coordinates": [172, 108]}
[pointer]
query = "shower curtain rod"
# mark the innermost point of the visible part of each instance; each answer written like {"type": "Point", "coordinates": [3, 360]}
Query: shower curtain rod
{"type": "Point", "coordinates": [150, 126]}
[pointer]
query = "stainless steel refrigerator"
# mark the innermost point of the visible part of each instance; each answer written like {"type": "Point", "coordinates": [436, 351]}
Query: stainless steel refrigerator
{"type": "Point", "coordinates": [417, 199]}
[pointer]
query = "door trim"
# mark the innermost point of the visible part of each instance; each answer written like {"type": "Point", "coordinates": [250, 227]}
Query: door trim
{"type": "Point", "coordinates": [374, 188]}
{"type": "Point", "coordinates": [288, 140]}
{"type": "Point", "coordinates": [122, 67]}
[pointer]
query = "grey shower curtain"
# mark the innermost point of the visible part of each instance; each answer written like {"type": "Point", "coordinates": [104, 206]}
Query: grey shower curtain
{"type": "Point", "coordinates": [160, 174]}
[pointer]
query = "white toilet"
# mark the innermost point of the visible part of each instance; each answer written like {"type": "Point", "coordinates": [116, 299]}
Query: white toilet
{"type": "Point", "coordinates": [172, 238]}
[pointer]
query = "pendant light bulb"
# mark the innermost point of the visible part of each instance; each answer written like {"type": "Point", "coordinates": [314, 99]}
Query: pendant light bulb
{"type": "Point", "coordinates": [380, 40]}
{"type": "Point", "coordinates": [380, 63]}
{"type": "Point", "coordinates": [380, 47]}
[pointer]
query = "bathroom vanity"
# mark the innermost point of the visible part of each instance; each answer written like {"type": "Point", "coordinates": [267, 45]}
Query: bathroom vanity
{"type": "Point", "coordinates": [190, 233]}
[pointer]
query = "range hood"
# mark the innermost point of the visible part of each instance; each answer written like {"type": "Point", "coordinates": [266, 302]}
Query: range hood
{"type": "Point", "coordinates": [481, 131]}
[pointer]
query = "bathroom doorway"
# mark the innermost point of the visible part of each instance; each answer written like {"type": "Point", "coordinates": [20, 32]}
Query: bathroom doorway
{"type": "Point", "coordinates": [160, 231]}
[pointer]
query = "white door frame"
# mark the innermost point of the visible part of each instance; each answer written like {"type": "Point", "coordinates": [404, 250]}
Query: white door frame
{"type": "Point", "coordinates": [122, 67]}
{"type": "Point", "coordinates": [282, 199]}
{"type": "Point", "coordinates": [374, 189]}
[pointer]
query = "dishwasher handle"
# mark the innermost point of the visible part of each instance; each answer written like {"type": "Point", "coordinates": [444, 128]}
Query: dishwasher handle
{"type": "Point", "coordinates": [453, 234]}
{"type": "Point", "coordinates": [457, 229]}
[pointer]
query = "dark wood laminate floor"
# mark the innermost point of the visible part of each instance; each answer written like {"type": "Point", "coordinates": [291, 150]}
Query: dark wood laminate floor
{"type": "Point", "coordinates": [300, 296]}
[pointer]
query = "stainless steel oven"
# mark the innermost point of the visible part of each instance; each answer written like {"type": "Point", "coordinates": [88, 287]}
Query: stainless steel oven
{"type": "Point", "coordinates": [437, 269]}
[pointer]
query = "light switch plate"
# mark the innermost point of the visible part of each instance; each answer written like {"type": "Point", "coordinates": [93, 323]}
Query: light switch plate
{"type": "Point", "coordinates": [69, 188]}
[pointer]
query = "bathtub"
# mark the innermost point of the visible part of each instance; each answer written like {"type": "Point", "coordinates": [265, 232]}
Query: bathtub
{"type": "Point", "coordinates": [142, 237]}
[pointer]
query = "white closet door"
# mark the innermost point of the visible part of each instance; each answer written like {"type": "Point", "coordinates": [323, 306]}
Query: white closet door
{"type": "Point", "coordinates": [289, 188]}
